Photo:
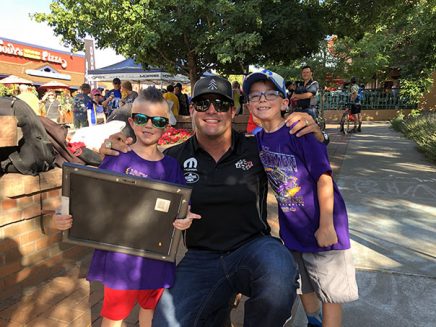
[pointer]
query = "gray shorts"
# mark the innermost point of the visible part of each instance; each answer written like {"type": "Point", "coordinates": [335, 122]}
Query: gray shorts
{"type": "Point", "coordinates": [330, 274]}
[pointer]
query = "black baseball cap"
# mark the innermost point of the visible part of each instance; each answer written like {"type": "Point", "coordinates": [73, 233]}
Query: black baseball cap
{"type": "Point", "coordinates": [213, 85]}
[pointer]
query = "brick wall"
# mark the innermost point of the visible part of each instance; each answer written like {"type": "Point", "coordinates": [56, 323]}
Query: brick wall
{"type": "Point", "coordinates": [27, 255]}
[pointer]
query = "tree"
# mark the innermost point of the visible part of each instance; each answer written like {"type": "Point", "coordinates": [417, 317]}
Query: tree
{"type": "Point", "coordinates": [192, 36]}
{"type": "Point", "coordinates": [402, 38]}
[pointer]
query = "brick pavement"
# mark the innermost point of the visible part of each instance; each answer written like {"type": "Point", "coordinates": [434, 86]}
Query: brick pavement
{"type": "Point", "coordinates": [69, 300]}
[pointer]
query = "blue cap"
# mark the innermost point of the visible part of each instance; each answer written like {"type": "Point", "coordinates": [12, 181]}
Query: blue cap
{"type": "Point", "coordinates": [265, 75]}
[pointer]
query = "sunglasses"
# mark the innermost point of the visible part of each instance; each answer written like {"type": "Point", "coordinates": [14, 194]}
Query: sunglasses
{"type": "Point", "coordinates": [156, 121]}
{"type": "Point", "coordinates": [218, 104]}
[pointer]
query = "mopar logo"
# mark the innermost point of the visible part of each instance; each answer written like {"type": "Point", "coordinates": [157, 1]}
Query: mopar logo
{"type": "Point", "coordinates": [190, 164]}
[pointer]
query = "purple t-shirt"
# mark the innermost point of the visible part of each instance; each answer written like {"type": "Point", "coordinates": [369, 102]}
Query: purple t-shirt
{"type": "Point", "coordinates": [293, 166]}
{"type": "Point", "coordinates": [129, 272]}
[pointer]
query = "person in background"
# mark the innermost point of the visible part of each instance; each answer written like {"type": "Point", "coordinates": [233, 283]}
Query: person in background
{"type": "Point", "coordinates": [27, 95]}
{"type": "Point", "coordinates": [52, 106]}
{"type": "Point", "coordinates": [356, 106]}
{"type": "Point", "coordinates": [80, 106]}
{"type": "Point", "coordinates": [113, 97]}
{"type": "Point", "coordinates": [128, 95]}
{"type": "Point", "coordinates": [305, 93]}
{"type": "Point", "coordinates": [95, 114]}
{"type": "Point", "coordinates": [236, 89]}
{"type": "Point", "coordinates": [169, 95]}
{"type": "Point", "coordinates": [183, 100]}
{"type": "Point", "coordinates": [312, 214]}
{"type": "Point", "coordinates": [66, 101]}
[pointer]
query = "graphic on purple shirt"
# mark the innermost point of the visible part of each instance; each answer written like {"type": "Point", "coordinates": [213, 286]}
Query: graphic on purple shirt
{"type": "Point", "coordinates": [293, 166]}
{"type": "Point", "coordinates": [129, 272]}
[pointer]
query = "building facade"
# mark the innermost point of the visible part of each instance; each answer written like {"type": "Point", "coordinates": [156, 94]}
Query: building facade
{"type": "Point", "coordinates": [40, 64]}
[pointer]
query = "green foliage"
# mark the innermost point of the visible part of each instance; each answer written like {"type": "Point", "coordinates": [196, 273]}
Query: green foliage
{"type": "Point", "coordinates": [192, 36]}
{"type": "Point", "coordinates": [401, 37]}
{"type": "Point", "coordinates": [419, 126]}
{"type": "Point", "coordinates": [414, 89]}
{"type": "Point", "coordinates": [398, 122]}
{"type": "Point", "coordinates": [5, 91]}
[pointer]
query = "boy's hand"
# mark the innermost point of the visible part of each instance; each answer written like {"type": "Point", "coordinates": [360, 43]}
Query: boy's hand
{"type": "Point", "coordinates": [116, 142]}
{"type": "Point", "coordinates": [304, 124]}
{"type": "Point", "coordinates": [185, 223]}
{"type": "Point", "coordinates": [326, 236]}
{"type": "Point", "coordinates": [62, 222]}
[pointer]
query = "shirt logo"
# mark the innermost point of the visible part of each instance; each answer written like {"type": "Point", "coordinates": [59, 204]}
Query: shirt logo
{"type": "Point", "coordinates": [190, 168]}
{"type": "Point", "coordinates": [191, 178]}
{"type": "Point", "coordinates": [244, 164]}
{"type": "Point", "coordinates": [212, 85]}
{"type": "Point", "coordinates": [190, 163]}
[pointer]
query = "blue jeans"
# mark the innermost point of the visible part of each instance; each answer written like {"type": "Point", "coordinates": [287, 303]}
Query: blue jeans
{"type": "Point", "coordinates": [206, 283]}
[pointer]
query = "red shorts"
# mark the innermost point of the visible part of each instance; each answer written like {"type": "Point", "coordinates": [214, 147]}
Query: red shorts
{"type": "Point", "coordinates": [117, 304]}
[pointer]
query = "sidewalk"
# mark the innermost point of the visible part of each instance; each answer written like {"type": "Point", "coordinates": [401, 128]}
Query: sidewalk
{"type": "Point", "coordinates": [390, 192]}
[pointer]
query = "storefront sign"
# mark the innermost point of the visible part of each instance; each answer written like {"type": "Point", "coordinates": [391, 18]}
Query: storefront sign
{"type": "Point", "coordinates": [44, 55]}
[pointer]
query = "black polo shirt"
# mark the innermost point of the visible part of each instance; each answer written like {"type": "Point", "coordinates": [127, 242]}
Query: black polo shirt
{"type": "Point", "coordinates": [229, 195]}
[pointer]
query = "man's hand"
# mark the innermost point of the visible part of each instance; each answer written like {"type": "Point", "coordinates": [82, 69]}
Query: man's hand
{"type": "Point", "coordinates": [304, 124]}
{"type": "Point", "coordinates": [186, 222]}
{"type": "Point", "coordinates": [326, 236]}
{"type": "Point", "coordinates": [115, 144]}
{"type": "Point", "coordinates": [62, 222]}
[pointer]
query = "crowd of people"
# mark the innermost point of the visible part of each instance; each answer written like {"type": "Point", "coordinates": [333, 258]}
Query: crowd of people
{"type": "Point", "coordinates": [88, 107]}
{"type": "Point", "coordinates": [230, 249]}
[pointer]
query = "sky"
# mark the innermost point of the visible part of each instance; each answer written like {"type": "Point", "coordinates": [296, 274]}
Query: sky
{"type": "Point", "coordinates": [16, 24]}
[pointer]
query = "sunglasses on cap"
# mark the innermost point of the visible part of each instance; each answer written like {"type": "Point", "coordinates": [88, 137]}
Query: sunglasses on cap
{"type": "Point", "coordinates": [219, 105]}
{"type": "Point", "coordinates": [156, 121]}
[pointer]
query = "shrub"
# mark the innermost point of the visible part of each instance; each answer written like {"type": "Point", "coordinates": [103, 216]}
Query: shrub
{"type": "Point", "coordinates": [421, 128]}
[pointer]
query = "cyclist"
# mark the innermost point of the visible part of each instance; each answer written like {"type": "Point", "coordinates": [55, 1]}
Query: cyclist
{"type": "Point", "coordinates": [355, 98]}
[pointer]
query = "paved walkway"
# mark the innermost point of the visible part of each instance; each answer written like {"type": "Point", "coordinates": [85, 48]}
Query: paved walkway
{"type": "Point", "coordinates": [390, 192]}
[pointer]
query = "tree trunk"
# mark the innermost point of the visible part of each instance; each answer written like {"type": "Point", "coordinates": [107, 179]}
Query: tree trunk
{"type": "Point", "coordinates": [194, 71]}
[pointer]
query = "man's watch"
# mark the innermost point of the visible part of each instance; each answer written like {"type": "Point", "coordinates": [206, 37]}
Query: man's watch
{"type": "Point", "coordinates": [326, 138]}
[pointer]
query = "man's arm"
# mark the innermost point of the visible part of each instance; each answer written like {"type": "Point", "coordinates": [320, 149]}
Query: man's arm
{"type": "Point", "coordinates": [303, 124]}
{"type": "Point", "coordinates": [326, 234]}
{"type": "Point", "coordinates": [302, 96]}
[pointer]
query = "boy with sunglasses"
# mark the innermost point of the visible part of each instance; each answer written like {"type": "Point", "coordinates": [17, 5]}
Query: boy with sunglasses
{"type": "Point", "coordinates": [128, 278]}
{"type": "Point", "coordinates": [312, 214]}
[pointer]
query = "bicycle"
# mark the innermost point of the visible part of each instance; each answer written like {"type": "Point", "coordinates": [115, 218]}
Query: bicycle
{"type": "Point", "coordinates": [346, 119]}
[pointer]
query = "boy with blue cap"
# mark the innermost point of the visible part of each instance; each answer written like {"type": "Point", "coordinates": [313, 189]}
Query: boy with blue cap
{"type": "Point", "coordinates": [312, 214]}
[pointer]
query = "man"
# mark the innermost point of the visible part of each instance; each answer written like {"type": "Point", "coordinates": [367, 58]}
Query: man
{"type": "Point", "coordinates": [170, 96]}
{"type": "Point", "coordinates": [80, 106]}
{"type": "Point", "coordinates": [306, 92]}
{"type": "Point", "coordinates": [113, 97]}
{"type": "Point", "coordinates": [230, 251]}
{"type": "Point", "coordinates": [183, 100]}
{"type": "Point", "coordinates": [355, 105]}
{"type": "Point", "coordinates": [30, 98]}
{"type": "Point", "coordinates": [127, 93]}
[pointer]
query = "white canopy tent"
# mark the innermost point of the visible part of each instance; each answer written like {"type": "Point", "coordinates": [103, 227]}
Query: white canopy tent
{"type": "Point", "coordinates": [129, 70]}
